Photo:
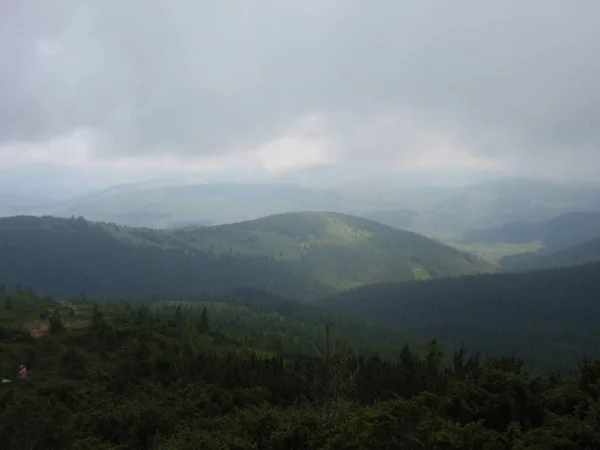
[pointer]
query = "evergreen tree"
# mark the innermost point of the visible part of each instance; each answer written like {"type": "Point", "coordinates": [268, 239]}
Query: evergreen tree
{"type": "Point", "coordinates": [204, 325]}
{"type": "Point", "coordinates": [97, 318]}
{"type": "Point", "coordinates": [56, 324]}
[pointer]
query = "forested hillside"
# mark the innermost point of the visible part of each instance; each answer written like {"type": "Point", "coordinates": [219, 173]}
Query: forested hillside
{"type": "Point", "coordinates": [548, 317]}
{"type": "Point", "coordinates": [302, 255]}
{"type": "Point", "coordinates": [167, 376]}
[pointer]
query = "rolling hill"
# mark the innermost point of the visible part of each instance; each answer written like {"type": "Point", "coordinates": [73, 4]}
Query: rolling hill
{"type": "Point", "coordinates": [559, 232]}
{"type": "Point", "coordinates": [586, 252]}
{"type": "Point", "coordinates": [449, 213]}
{"type": "Point", "coordinates": [148, 205]}
{"type": "Point", "coordinates": [302, 255]}
{"type": "Point", "coordinates": [440, 212]}
{"type": "Point", "coordinates": [558, 241]}
{"type": "Point", "coordinates": [550, 317]}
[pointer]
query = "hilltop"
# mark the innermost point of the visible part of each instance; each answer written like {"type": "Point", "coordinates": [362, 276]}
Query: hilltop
{"type": "Point", "coordinates": [301, 255]}
{"type": "Point", "coordinates": [337, 249]}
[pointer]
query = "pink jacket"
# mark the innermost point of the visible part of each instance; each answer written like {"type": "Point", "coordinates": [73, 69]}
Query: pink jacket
{"type": "Point", "coordinates": [22, 375]}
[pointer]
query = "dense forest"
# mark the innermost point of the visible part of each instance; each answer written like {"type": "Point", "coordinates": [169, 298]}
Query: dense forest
{"type": "Point", "coordinates": [162, 376]}
{"type": "Point", "coordinates": [303, 255]}
{"type": "Point", "coordinates": [64, 257]}
{"type": "Point", "coordinates": [549, 317]}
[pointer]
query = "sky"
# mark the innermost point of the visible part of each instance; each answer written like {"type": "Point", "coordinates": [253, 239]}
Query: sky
{"type": "Point", "coordinates": [99, 92]}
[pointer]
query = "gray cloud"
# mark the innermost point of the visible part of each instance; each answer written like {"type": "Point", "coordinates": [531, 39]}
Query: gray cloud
{"type": "Point", "coordinates": [505, 78]}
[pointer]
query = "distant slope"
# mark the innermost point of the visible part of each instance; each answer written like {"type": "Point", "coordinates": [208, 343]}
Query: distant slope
{"type": "Point", "coordinates": [440, 212]}
{"type": "Point", "coordinates": [586, 252]}
{"type": "Point", "coordinates": [302, 255]}
{"type": "Point", "coordinates": [169, 206]}
{"type": "Point", "coordinates": [559, 232]}
{"type": "Point", "coordinates": [562, 240]}
{"type": "Point", "coordinates": [549, 316]}
{"type": "Point", "coordinates": [449, 213]}
{"type": "Point", "coordinates": [336, 249]}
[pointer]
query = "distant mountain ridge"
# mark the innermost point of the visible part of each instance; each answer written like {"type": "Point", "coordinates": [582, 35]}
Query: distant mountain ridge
{"type": "Point", "coordinates": [441, 212]}
{"type": "Point", "coordinates": [300, 255]}
{"type": "Point", "coordinates": [586, 252]}
{"type": "Point", "coordinates": [559, 232]}
{"type": "Point", "coordinates": [568, 239]}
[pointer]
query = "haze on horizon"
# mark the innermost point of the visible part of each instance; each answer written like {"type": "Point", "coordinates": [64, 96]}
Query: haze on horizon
{"type": "Point", "coordinates": [100, 92]}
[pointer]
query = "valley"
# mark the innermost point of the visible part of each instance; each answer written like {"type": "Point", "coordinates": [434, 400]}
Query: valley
{"type": "Point", "coordinates": [299, 225]}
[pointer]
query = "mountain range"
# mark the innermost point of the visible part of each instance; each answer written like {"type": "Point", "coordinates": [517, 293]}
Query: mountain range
{"type": "Point", "coordinates": [568, 239]}
{"type": "Point", "coordinates": [444, 213]}
{"type": "Point", "coordinates": [301, 255]}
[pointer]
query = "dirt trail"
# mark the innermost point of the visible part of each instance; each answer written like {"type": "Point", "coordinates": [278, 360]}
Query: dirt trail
{"type": "Point", "coordinates": [44, 328]}
{"type": "Point", "coordinates": [69, 305]}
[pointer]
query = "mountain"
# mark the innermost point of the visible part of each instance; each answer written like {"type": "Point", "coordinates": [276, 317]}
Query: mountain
{"type": "Point", "coordinates": [550, 317]}
{"type": "Point", "coordinates": [302, 255]}
{"type": "Point", "coordinates": [158, 206]}
{"type": "Point", "coordinates": [441, 212]}
{"type": "Point", "coordinates": [586, 252]}
{"type": "Point", "coordinates": [559, 232]}
{"type": "Point", "coordinates": [449, 213]}
{"type": "Point", "coordinates": [559, 241]}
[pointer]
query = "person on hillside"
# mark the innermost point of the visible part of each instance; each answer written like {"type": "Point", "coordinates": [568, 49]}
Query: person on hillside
{"type": "Point", "coordinates": [22, 375]}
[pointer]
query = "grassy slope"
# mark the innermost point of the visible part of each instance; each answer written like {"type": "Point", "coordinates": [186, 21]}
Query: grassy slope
{"type": "Point", "coordinates": [336, 249]}
{"type": "Point", "coordinates": [297, 254]}
{"type": "Point", "coordinates": [523, 245]}
{"type": "Point", "coordinates": [496, 252]}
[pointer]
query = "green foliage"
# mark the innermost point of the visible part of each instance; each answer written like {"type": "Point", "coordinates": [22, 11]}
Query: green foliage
{"type": "Point", "coordinates": [301, 255]}
{"type": "Point", "coordinates": [548, 317]}
{"type": "Point", "coordinates": [142, 376]}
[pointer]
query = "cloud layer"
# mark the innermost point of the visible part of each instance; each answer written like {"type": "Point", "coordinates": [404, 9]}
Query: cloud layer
{"type": "Point", "coordinates": [283, 85]}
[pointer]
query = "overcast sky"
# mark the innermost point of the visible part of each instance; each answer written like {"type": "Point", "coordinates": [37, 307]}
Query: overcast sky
{"type": "Point", "coordinates": [108, 91]}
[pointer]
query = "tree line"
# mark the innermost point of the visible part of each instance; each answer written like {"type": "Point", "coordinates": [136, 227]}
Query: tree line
{"type": "Point", "coordinates": [141, 376]}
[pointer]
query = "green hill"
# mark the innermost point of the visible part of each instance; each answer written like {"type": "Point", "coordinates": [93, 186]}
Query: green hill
{"type": "Point", "coordinates": [302, 255]}
{"type": "Point", "coordinates": [583, 253]}
{"type": "Point", "coordinates": [522, 245]}
{"type": "Point", "coordinates": [549, 317]}
{"type": "Point", "coordinates": [557, 233]}
{"type": "Point", "coordinates": [441, 212]}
